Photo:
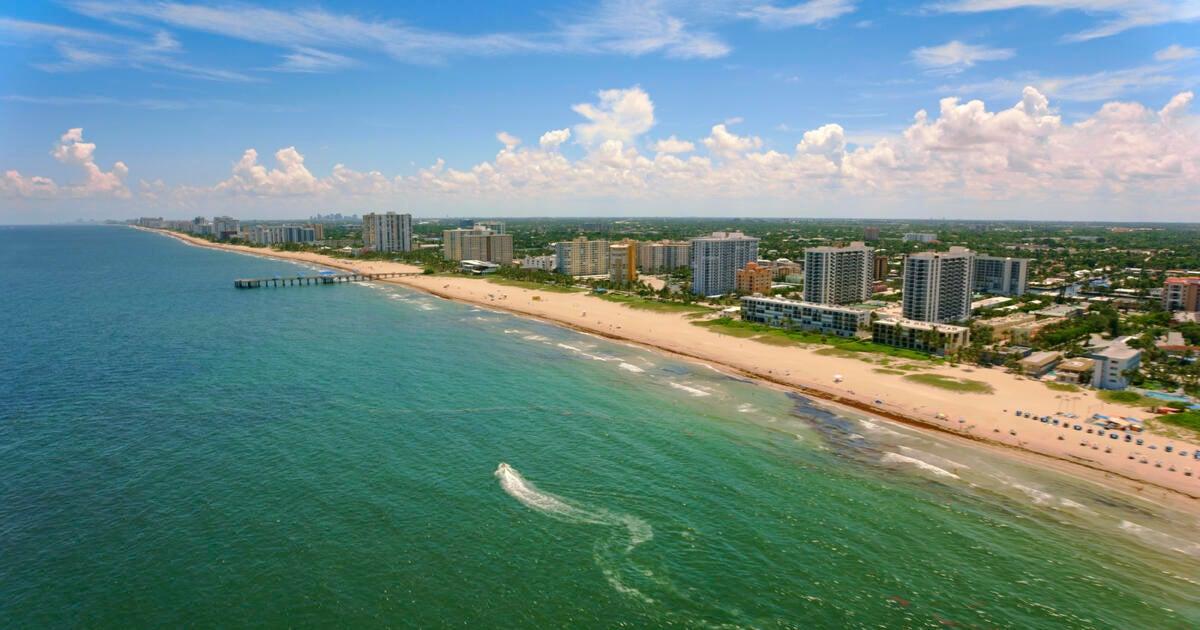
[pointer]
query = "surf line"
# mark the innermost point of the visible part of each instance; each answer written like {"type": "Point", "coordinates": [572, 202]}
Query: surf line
{"type": "Point", "coordinates": [610, 553]}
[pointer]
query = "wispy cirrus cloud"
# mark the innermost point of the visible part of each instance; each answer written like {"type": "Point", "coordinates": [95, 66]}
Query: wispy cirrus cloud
{"type": "Point", "coordinates": [800, 14]}
{"type": "Point", "coordinates": [1091, 87]}
{"type": "Point", "coordinates": [1119, 15]}
{"type": "Point", "coordinates": [955, 56]}
{"type": "Point", "coordinates": [81, 49]}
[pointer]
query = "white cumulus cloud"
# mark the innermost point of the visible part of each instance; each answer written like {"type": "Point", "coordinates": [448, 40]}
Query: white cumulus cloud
{"type": "Point", "coordinates": [620, 115]}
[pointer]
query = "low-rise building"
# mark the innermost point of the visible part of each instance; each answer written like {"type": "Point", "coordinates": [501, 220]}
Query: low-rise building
{"type": "Point", "coordinates": [1039, 364]}
{"type": "Point", "coordinates": [1077, 371]}
{"type": "Point", "coordinates": [921, 336]}
{"type": "Point", "coordinates": [544, 263]}
{"type": "Point", "coordinates": [834, 320]}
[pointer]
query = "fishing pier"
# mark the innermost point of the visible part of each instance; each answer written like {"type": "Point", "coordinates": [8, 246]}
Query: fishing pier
{"type": "Point", "coordinates": [318, 279]}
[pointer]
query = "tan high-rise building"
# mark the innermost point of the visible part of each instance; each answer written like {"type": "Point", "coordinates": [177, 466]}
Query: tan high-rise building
{"type": "Point", "coordinates": [879, 270]}
{"type": "Point", "coordinates": [663, 256]}
{"type": "Point", "coordinates": [622, 261]}
{"type": "Point", "coordinates": [581, 257]}
{"type": "Point", "coordinates": [754, 278]}
{"type": "Point", "coordinates": [483, 245]}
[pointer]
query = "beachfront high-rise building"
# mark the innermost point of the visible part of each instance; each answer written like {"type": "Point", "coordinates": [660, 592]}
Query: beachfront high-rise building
{"type": "Point", "coordinates": [581, 257]}
{"type": "Point", "coordinates": [838, 275]}
{"type": "Point", "coordinates": [387, 232]}
{"type": "Point", "coordinates": [225, 228]}
{"type": "Point", "coordinates": [1182, 294]}
{"type": "Point", "coordinates": [622, 261]}
{"type": "Point", "coordinates": [716, 259]}
{"type": "Point", "coordinates": [937, 285]}
{"type": "Point", "coordinates": [1001, 276]}
{"type": "Point", "coordinates": [487, 246]}
{"type": "Point", "coordinates": [276, 234]}
{"type": "Point", "coordinates": [663, 256]}
{"type": "Point", "coordinates": [754, 279]}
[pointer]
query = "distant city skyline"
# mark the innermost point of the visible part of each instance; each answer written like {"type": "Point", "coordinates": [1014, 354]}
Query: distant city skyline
{"type": "Point", "coordinates": [958, 109]}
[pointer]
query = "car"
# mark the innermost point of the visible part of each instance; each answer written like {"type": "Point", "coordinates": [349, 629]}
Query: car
{"type": "Point", "coordinates": [1026, 414]}
{"type": "Point", "coordinates": [1113, 436]}
{"type": "Point", "coordinates": [1153, 447]}
{"type": "Point", "coordinates": [1018, 413]}
{"type": "Point", "coordinates": [1140, 441]}
{"type": "Point", "coordinates": [1128, 438]}
{"type": "Point", "coordinates": [1078, 428]}
{"type": "Point", "coordinates": [1168, 448]}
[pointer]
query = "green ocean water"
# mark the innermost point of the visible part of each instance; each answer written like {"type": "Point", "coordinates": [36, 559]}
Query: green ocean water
{"type": "Point", "coordinates": [177, 452]}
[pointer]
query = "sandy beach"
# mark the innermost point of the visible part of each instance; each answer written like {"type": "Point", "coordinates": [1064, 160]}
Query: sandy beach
{"type": "Point", "coordinates": [989, 420]}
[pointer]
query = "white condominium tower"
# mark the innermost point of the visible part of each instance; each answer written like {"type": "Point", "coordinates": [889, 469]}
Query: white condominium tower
{"type": "Point", "coordinates": [937, 285]}
{"type": "Point", "coordinates": [1001, 276]}
{"type": "Point", "coordinates": [716, 260]}
{"type": "Point", "coordinates": [838, 275]}
{"type": "Point", "coordinates": [388, 232]}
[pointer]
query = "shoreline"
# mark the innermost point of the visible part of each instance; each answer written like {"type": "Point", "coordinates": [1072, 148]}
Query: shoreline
{"type": "Point", "coordinates": [1118, 467]}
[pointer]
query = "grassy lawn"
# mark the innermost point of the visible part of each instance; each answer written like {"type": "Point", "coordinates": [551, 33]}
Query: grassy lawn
{"type": "Point", "coordinates": [635, 301]}
{"type": "Point", "coordinates": [1063, 387]}
{"type": "Point", "coordinates": [1187, 419]}
{"type": "Point", "coordinates": [1128, 398]}
{"type": "Point", "coordinates": [965, 385]}
{"type": "Point", "coordinates": [889, 371]}
{"type": "Point", "coordinates": [839, 346]}
{"type": "Point", "coordinates": [538, 286]}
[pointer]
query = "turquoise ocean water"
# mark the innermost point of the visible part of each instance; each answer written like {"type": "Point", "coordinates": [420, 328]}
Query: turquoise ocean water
{"type": "Point", "coordinates": [178, 452]}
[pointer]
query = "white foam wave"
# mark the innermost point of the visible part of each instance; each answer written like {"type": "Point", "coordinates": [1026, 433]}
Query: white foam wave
{"type": "Point", "coordinates": [930, 457]}
{"type": "Point", "coordinates": [897, 458]}
{"type": "Point", "coordinates": [629, 367]}
{"type": "Point", "coordinates": [689, 389]}
{"type": "Point", "coordinates": [535, 338]}
{"type": "Point", "coordinates": [1162, 539]}
{"type": "Point", "coordinates": [875, 427]}
{"type": "Point", "coordinates": [747, 408]}
{"type": "Point", "coordinates": [1040, 497]}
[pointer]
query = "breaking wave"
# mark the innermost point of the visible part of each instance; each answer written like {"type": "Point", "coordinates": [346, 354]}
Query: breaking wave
{"type": "Point", "coordinates": [896, 458]}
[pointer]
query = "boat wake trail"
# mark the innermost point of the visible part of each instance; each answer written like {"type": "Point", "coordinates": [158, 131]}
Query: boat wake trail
{"type": "Point", "coordinates": [612, 554]}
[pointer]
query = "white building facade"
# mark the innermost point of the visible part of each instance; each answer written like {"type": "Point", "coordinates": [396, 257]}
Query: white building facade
{"type": "Point", "coordinates": [838, 275]}
{"type": "Point", "coordinates": [833, 320]}
{"type": "Point", "coordinates": [996, 275]}
{"type": "Point", "coordinates": [387, 232]}
{"type": "Point", "coordinates": [715, 260]}
{"type": "Point", "coordinates": [938, 285]}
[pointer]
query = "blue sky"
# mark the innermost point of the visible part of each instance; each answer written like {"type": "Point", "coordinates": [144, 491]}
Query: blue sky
{"type": "Point", "coordinates": [1065, 108]}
